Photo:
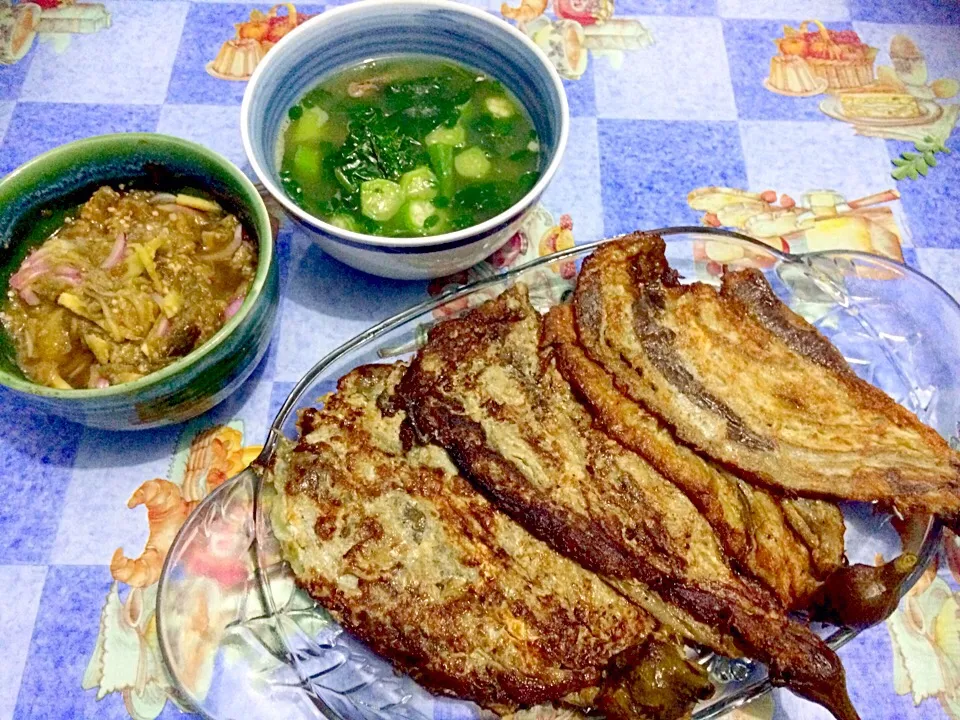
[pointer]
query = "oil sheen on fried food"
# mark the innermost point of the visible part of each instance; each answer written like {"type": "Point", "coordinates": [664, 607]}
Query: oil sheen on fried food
{"type": "Point", "coordinates": [408, 146]}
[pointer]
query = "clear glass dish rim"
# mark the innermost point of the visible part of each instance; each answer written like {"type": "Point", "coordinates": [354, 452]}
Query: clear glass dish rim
{"type": "Point", "coordinates": [388, 324]}
{"type": "Point", "coordinates": [751, 690]}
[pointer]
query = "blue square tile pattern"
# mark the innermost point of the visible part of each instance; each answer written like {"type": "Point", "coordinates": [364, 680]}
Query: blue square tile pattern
{"type": "Point", "coordinates": [18, 613]}
{"type": "Point", "coordinates": [932, 204]}
{"type": "Point", "coordinates": [42, 449]}
{"type": "Point", "coordinates": [930, 12]}
{"type": "Point", "coordinates": [63, 640]}
{"type": "Point", "coordinates": [12, 76]}
{"type": "Point", "coordinates": [39, 127]}
{"type": "Point", "coordinates": [143, 39]}
{"type": "Point", "coordinates": [672, 79]}
{"type": "Point", "coordinates": [823, 10]}
{"type": "Point", "coordinates": [214, 126]}
{"type": "Point", "coordinates": [581, 94]}
{"type": "Point", "coordinates": [6, 111]}
{"type": "Point", "coordinates": [699, 8]}
{"type": "Point", "coordinates": [647, 168]}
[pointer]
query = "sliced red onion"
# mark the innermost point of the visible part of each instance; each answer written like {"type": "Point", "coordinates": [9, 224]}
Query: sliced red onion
{"type": "Point", "coordinates": [233, 306]}
{"type": "Point", "coordinates": [163, 327]}
{"type": "Point", "coordinates": [116, 252]}
{"type": "Point", "coordinates": [70, 275]}
{"type": "Point", "coordinates": [35, 257]}
{"type": "Point", "coordinates": [27, 274]}
{"type": "Point", "coordinates": [162, 198]}
{"type": "Point", "coordinates": [70, 280]}
{"type": "Point", "coordinates": [227, 252]}
{"type": "Point", "coordinates": [29, 297]}
{"type": "Point", "coordinates": [101, 383]}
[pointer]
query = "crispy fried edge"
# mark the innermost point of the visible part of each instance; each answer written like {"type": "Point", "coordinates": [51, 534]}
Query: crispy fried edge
{"type": "Point", "coordinates": [808, 667]}
{"type": "Point", "coordinates": [711, 489]}
{"type": "Point", "coordinates": [645, 255]}
{"type": "Point", "coordinates": [499, 689]}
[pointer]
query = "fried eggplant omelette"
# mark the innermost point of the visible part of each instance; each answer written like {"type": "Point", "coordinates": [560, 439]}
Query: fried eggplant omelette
{"type": "Point", "coordinates": [484, 389]}
{"type": "Point", "coordinates": [789, 545]}
{"type": "Point", "coordinates": [408, 557]}
{"type": "Point", "coordinates": [737, 375]}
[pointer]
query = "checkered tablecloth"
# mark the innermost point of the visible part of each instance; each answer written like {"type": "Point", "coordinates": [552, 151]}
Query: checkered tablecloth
{"type": "Point", "coordinates": [669, 98]}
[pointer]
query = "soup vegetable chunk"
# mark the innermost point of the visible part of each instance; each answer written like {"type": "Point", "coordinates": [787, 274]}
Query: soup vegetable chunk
{"type": "Point", "coordinates": [407, 147]}
{"type": "Point", "coordinates": [131, 281]}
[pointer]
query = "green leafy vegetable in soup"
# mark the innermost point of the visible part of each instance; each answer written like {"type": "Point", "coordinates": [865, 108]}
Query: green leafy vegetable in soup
{"type": "Point", "coordinates": [408, 146]}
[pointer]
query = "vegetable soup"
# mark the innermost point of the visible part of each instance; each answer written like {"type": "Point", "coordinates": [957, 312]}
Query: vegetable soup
{"type": "Point", "coordinates": [408, 147]}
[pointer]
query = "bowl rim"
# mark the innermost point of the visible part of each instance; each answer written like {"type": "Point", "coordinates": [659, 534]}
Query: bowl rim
{"type": "Point", "coordinates": [458, 236]}
{"type": "Point", "coordinates": [265, 259]}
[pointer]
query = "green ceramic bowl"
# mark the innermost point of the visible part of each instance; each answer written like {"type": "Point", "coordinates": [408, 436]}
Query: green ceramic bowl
{"type": "Point", "coordinates": [33, 198]}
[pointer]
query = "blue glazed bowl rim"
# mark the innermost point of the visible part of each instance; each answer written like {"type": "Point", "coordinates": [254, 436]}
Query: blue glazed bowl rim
{"type": "Point", "coordinates": [365, 6]}
{"type": "Point", "coordinates": [265, 259]}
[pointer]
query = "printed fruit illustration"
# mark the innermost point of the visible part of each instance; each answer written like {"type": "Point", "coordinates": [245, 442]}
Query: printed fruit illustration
{"type": "Point", "coordinates": [239, 55]}
{"type": "Point", "coordinates": [792, 45]}
{"type": "Point", "coordinates": [945, 87]}
{"type": "Point", "coordinates": [270, 27]}
{"type": "Point", "coordinates": [559, 237]}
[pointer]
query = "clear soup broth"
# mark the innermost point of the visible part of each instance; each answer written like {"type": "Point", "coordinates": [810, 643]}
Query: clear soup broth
{"type": "Point", "coordinates": [407, 147]}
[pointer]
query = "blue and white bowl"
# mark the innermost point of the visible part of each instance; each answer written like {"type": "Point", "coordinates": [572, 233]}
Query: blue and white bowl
{"type": "Point", "coordinates": [376, 28]}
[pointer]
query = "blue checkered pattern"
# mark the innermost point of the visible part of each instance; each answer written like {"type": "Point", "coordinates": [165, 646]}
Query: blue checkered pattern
{"type": "Point", "coordinates": [685, 112]}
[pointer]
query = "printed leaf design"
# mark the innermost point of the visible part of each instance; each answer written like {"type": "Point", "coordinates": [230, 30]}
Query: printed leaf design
{"type": "Point", "coordinates": [914, 165]}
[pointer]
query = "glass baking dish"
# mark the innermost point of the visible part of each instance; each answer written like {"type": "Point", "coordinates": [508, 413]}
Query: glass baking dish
{"type": "Point", "coordinates": [240, 640]}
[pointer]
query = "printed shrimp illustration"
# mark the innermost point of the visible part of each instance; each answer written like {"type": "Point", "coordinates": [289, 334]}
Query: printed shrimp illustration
{"type": "Point", "coordinates": [126, 657]}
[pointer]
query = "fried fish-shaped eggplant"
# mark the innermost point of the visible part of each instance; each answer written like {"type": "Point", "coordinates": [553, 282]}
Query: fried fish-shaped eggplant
{"type": "Point", "coordinates": [411, 559]}
{"type": "Point", "coordinates": [482, 389]}
{"type": "Point", "coordinates": [757, 531]}
{"type": "Point", "coordinates": [740, 377]}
